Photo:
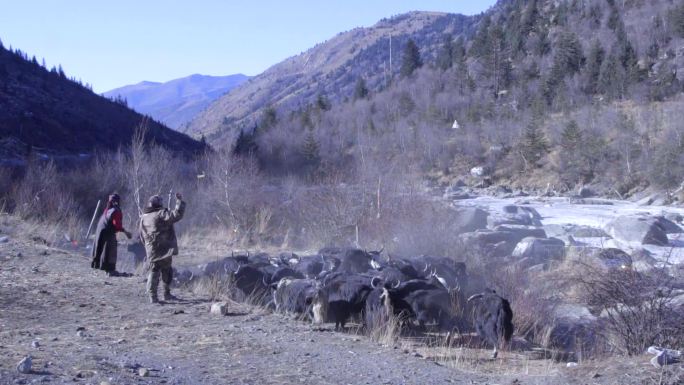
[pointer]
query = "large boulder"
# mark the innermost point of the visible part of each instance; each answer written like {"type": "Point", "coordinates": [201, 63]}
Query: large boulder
{"type": "Point", "coordinates": [601, 258]}
{"type": "Point", "coordinates": [668, 225]}
{"type": "Point", "coordinates": [576, 231]}
{"type": "Point", "coordinates": [499, 242]}
{"type": "Point", "coordinates": [539, 250]}
{"type": "Point", "coordinates": [470, 219]}
{"type": "Point", "coordinates": [574, 329]}
{"type": "Point", "coordinates": [514, 215]}
{"type": "Point", "coordinates": [638, 229]}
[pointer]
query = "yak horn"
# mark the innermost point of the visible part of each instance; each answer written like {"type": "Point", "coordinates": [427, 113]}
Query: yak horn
{"type": "Point", "coordinates": [397, 285]}
{"type": "Point", "coordinates": [373, 284]}
{"type": "Point", "coordinates": [475, 296]}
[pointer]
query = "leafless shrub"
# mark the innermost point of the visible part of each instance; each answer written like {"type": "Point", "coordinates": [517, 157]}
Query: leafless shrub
{"type": "Point", "coordinates": [637, 307]}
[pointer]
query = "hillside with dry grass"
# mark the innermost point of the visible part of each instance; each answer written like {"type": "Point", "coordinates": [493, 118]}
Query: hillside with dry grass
{"type": "Point", "coordinates": [546, 94]}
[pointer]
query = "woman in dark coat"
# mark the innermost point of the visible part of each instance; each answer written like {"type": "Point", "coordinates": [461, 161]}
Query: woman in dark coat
{"type": "Point", "coordinates": [105, 246]}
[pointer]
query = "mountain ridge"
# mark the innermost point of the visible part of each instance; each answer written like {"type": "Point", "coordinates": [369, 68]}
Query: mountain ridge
{"type": "Point", "coordinates": [176, 101]}
{"type": "Point", "coordinates": [299, 79]}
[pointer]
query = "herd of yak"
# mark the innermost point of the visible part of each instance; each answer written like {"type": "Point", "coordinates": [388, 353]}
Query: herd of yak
{"type": "Point", "coordinates": [339, 284]}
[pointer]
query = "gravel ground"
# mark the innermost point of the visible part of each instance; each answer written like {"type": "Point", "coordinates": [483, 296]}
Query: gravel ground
{"type": "Point", "coordinates": [83, 327]}
{"type": "Point", "coordinates": [90, 328]}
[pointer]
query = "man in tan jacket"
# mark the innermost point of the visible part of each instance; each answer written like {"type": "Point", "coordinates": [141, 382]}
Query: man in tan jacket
{"type": "Point", "coordinates": [159, 237]}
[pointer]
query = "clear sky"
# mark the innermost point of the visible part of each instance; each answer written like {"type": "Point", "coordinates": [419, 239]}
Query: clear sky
{"type": "Point", "coordinates": [113, 43]}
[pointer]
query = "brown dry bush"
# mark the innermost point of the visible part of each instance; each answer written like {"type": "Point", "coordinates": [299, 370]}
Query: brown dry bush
{"type": "Point", "coordinates": [637, 307]}
{"type": "Point", "coordinates": [42, 195]}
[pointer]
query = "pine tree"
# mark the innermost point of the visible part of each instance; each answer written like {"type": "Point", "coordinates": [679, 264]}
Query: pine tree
{"type": "Point", "coordinates": [529, 17]}
{"type": "Point", "coordinates": [676, 16]}
{"type": "Point", "coordinates": [480, 44]}
{"type": "Point", "coordinates": [323, 103]}
{"type": "Point", "coordinates": [571, 137]}
{"type": "Point", "coordinates": [360, 89]}
{"type": "Point", "coordinates": [611, 80]}
{"type": "Point", "coordinates": [411, 59]}
{"type": "Point", "coordinates": [246, 143]}
{"type": "Point", "coordinates": [571, 154]}
{"type": "Point", "coordinates": [569, 53]}
{"type": "Point", "coordinates": [310, 148]}
{"type": "Point", "coordinates": [593, 68]}
{"type": "Point", "coordinates": [567, 60]}
{"type": "Point", "coordinates": [445, 57]}
{"type": "Point", "coordinates": [269, 118]}
{"type": "Point", "coordinates": [459, 53]}
{"type": "Point", "coordinates": [534, 144]}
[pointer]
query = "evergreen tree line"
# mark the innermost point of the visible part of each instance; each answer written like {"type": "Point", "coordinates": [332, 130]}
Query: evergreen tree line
{"type": "Point", "coordinates": [528, 90]}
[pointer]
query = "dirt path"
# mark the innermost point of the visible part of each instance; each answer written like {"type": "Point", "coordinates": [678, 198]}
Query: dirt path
{"type": "Point", "coordinates": [92, 329]}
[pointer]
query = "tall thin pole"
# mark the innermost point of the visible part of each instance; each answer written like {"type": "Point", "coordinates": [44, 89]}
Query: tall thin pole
{"type": "Point", "coordinates": [390, 55]}
{"type": "Point", "coordinates": [97, 209]}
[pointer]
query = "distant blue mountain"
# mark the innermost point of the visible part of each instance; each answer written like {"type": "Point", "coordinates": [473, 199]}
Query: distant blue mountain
{"type": "Point", "coordinates": [176, 102]}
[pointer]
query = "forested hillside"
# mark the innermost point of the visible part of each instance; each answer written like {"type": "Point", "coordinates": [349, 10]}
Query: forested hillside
{"type": "Point", "coordinates": [43, 111]}
{"type": "Point", "coordinates": [540, 93]}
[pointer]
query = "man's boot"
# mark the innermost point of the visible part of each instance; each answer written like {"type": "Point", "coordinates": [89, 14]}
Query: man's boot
{"type": "Point", "coordinates": [153, 298]}
{"type": "Point", "coordinates": [168, 296]}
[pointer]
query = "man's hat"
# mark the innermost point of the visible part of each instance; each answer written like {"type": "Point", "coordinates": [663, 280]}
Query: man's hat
{"type": "Point", "coordinates": [155, 201]}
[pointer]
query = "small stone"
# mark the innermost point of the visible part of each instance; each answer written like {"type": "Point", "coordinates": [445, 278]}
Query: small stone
{"type": "Point", "coordinates": [219, 308]}
{"type": "Point", "coordinates": [416, 354]}
{"type": "Point", "coordinates": [144, 372]}
{"type": "Point", "coordinates": [105, 383]}
{"type": "Point", "coordinates": [571, 364]}
{"type": "Point", "coordinates": [4, 239]}
{"type": "Point", "coordinates": [80, 333]}
{"type": "Point", "coordinates": [24, 366]}
{"type": "Point", "coordinates": [35, 344]}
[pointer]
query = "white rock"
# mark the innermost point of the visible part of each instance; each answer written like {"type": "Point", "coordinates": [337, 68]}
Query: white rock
{"type": "Point", "coordinates": [144, 372]}
{"type": "Point", "coordinates": [4, 239]}
{"type": "Point", "coordinates": [80, 333]}
{"type": "Point", "coordinates": [478, 171]}
{"type": "Point", "coordinates": [219, 308]}
{"type": "Point", "coordinates": [35, 344]}
{"type": "Point", "coordinates": [571, 364]}
{"type": "Point", "coordinates": [24, 366]}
